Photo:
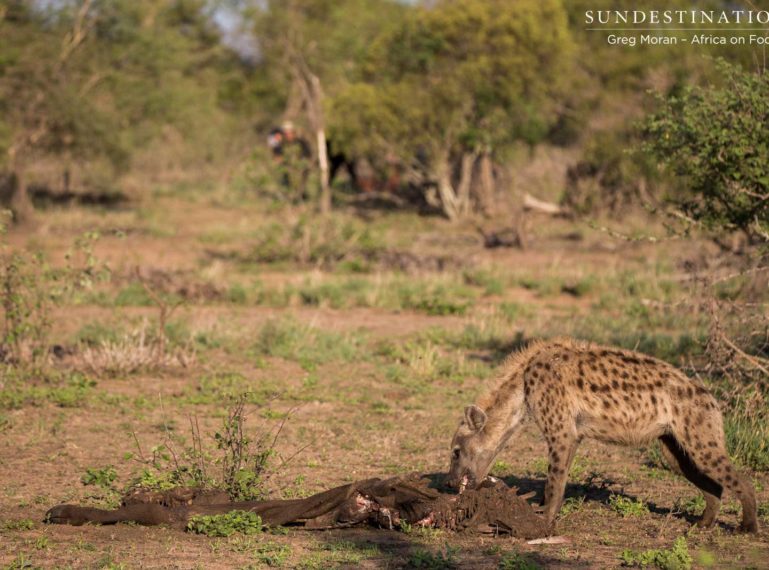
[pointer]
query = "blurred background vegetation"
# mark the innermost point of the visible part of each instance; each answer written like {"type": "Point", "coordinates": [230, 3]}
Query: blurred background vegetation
{"type": "Point", "coordinates": [438, 105]}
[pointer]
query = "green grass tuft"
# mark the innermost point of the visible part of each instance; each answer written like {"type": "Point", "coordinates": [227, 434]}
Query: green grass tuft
{"type": "Point", "coordinates": [675, 558]}
{"type": "Point", "coordinates": [434, 560]}
{"type": "Point", "coordinates": [628, 507]}
{"type": "Point", "coordinates": [307, 345]}
{"type": "Point", "coordinates": [517, 561]}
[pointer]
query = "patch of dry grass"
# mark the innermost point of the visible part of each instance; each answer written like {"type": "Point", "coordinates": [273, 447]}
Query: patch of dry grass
{"type": "Point", "coordinates": [134, 352]}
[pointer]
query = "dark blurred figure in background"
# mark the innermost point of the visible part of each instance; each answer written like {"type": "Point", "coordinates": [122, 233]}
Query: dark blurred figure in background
{"type": "Point", "coordinates": [290, 149]}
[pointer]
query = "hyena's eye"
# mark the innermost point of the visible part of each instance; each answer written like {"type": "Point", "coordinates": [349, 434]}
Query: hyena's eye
{"type": "Point", "coordinates": [455, 453]}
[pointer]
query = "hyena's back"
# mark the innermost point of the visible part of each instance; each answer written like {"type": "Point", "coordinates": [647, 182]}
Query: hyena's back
{"type": "Point", "coordinates": [616, 396]}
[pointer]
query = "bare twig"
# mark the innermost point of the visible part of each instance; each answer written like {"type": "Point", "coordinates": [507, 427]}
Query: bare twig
{"type": "Point", "coordinates": [80, 29]}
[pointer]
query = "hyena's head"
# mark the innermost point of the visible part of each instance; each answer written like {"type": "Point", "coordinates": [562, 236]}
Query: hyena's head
{"type": "Point", "coordinates": [471, 455]}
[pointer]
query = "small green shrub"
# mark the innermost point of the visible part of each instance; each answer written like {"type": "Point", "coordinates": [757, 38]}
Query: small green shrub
{"type": "Point", "coordinates": [101, 477]}
{"type": "Point", "coordinates": [272, 554]}
{"type": "Point", "coordinates": [20, 524]}
{"type": "Point", "coordinates": [132, 295]}
{"type": "Point", "coordinates": [675, 558]}
{"type": "Point", "coordinates": [693, 505]}
{"type": "Point", "coordinates": [490, 283]}
{"type": "Point", "coordinates": [244, 522]}
{"type": "Point", "coordinates": [225, 387]}
{"type": "Point", "coordinates": [501, 468]}
{"type": "Point", "coordinates": [94, 334]}
{"type": "Point", "coordinates": [628, 507]}
{"type": "Point", "coordinates": [150, 479]}
{"type": "Point", "coordinates": [572, 505]}
{"type": "Point", "coordinates": [30, 288]}
{"type": "Point", "coordinates": [517, 561]}
{"type": "Point", "coordinates": [654, 457]}
{"type": "Point", "coordinates": [338, 294]}
{"type": "Point", "coordinates": [243, 460]}
{"type": "Point", "coordinates": [307, 345]}
{"type": "Point", "coordinates": [237, 294]}
{"type": "Point", "coordinates": [513, 312]}
{"type": "Point", "coordinates": [440, 560]}
{"type": "Point", "coordinates": [434, 298]}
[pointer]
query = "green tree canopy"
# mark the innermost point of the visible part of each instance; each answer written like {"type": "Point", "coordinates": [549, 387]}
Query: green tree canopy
{"type": "Point", "coordinates": [99, 79]}
{"type": "Point", "coordinates": [458, 78]}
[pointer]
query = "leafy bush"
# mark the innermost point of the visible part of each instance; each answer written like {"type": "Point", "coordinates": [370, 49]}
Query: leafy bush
{"type": "Point", "coordinates": [628, 507]}
{"type": "Point", "coordinates": [715, 139]}
{"type": "Point", "coordinates": [30, 288]}
{"type": "Point", "coordinates": [244, 522]}
{"type": "Point", "coordinates": [244, 460]}
{"type": "Point", "coordinates": [101, 477]}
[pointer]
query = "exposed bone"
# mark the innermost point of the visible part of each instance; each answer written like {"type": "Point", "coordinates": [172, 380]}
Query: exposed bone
{"type": "Point", "coordinates": [550, 540]}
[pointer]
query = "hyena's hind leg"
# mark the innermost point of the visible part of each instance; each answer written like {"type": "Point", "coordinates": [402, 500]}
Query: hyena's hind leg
{"type": "Point", "coordinates": [702, 438]}
{"type": "Point", "coordinates": [681, 463]}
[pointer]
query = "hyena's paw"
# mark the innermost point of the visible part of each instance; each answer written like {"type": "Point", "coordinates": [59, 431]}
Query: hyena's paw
{"type": "Point", "coordinates": [749, 527]}
{"type": "Point", "coordinates": [705, 522]}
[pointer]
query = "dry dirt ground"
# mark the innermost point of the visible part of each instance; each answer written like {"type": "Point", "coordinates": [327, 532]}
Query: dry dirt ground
{"type": "Point", "coordinates": [386, 406]}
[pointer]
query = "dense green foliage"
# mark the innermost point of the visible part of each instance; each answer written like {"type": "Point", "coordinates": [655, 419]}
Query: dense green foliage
{"type": "Point", "coordinates": [90, 85]}
{"type": "Point", "coordinates": [108, 95]}
{"type": "Point", "coordinates": [716, 139]}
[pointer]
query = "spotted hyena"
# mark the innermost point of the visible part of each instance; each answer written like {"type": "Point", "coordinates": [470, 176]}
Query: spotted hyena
{"type": "Point", "coordinates": [575, 390]}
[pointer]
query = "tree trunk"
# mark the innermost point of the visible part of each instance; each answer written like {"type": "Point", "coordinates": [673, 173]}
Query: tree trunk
{"type": "Point", "coordinates": [486, 189]}
{"type": "Point", "coordinates": [455, 202]}
{"type": "Point", "coordinates": [446, 190]}
{"type": "Point", "coordinates": [20, 203]}
{"type": "Point", "coordinates": [465, 182]}
{"type": "Point", "coordinates": [325, 188]}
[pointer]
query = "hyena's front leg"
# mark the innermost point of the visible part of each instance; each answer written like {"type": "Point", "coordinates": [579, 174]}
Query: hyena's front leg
{"type": "Point", "coordinates": [562, 447]}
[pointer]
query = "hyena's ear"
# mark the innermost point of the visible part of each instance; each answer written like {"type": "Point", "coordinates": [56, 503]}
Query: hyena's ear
{"type": "Point", "coordinates": [475, 417]}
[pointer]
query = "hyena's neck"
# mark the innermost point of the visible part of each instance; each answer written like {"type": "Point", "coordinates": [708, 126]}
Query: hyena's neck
{"type": "Point", "coordinates": [505, 408]}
